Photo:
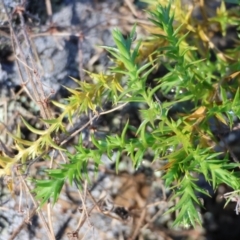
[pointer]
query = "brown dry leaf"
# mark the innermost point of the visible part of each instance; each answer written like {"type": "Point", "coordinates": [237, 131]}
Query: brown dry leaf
{"type": "Point", "coordinates": [232, 76]}
{"type": "Point", "coordinates": [133, 192]}
{"type": "Point", "coordinates": [147, 49]}
{"type": "Point", "coordinates": [200, 113]}
{"type": "Point", "coordinates": [211, 45]}
{"type": "Point", "coordinates": [206, 141]}
{"type": "Point", "coordinates": [202, 34]}
{"type": "Point", "coordinates": [167, 166]}
{"type": "Point", "coordinates": [152, 29]}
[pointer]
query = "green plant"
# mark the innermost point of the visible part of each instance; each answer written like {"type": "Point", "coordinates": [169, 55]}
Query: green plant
{"type": "Point", "coordinates": [185, 139]}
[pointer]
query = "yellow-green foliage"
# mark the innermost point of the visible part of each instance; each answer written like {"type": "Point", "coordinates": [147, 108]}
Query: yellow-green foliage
{"type": "Point", "coordinates": [182, 45]}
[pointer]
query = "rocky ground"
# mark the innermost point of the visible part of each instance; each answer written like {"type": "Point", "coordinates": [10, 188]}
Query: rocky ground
{"type": "Point", "coordinates": [130, 204]}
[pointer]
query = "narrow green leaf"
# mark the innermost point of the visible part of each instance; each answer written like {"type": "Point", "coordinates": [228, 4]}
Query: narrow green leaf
{"type": "Point", "coordinates": [32, 129]}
